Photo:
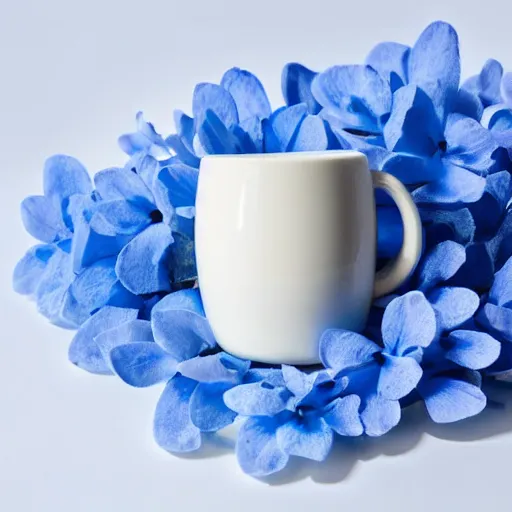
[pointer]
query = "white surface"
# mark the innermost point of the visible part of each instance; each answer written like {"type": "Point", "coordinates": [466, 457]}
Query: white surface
{"type": "Point", "coordinates": [73, 74]}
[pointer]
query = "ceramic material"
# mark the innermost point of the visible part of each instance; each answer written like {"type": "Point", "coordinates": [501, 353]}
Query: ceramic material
{"type": "Point", "coordinates": [286, 247]}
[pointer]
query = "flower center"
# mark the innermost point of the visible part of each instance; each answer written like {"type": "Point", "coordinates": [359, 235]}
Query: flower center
{"type": "Point", "coordinates": [379, 358]}
{"type": "Point", "coordinates": [156, 216]}
{"type": "Point", "coordinates": [442, 146]}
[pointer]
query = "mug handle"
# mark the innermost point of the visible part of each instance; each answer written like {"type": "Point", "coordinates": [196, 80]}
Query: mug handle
{"type": "Point", "coordinates": [394, 273]}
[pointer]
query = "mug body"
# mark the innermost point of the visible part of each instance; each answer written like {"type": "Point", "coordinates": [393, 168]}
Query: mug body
{"type": "Point", "coordinates": [285, 248]}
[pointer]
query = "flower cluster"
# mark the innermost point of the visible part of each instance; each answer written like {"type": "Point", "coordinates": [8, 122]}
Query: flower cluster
{"type": "Point", "coordinates": [116, 255]}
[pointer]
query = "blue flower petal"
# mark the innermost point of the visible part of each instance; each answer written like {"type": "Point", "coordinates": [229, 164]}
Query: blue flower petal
{"type": "Point", "coordinates": [30, 269]}
{"type": "Point", "coordinates": [501, 291]}
{"type": "Point", "coordinates": [185, 127]}
{"type": "Point", "coordinates": [357, 94]}
{"type": "Point", "coordinates": [311, 135]}
{"type": "Point", "coordinates": [215, 138]}
{"type": "Point", "coordinates": [434, 65]}
{"type": "Point", "coordinates": [413, 126]}
{"type": "Point", "coordinates": [468, 104]}
{"type": "Point", "coordinates": [441, 225]}
{"type": "Point", "coordinates": [390, 61]}
{"type": "Point", "coordinates": [216, 99]}
{"type": "Point", "coordinates": [308, 437]}
{"type": "Point", "coordinates": [180, 326]}
{"type": "Point", "coordinates": [471, 349]}
{"type": "Point", "coordinates": [440, 264]}
{"type": "Point", "coordinates": [208, 411]}
{"type": "Point", "coordinates": [120, 217]}
{"type": "Point", "coordinates": [64, 177]}
{"type": "Point", "coordinates": [257, 399]}
{"type": "Point", "coordinates": [457, 186]}
{"type": "Point", "coordinates": [172, 427]}
{"type": "Point", "coordinates": [297, 381]}
{"type": "Point", "coordinates": [380, 415]}
{"type": "Point", "coordinates": [411, 169]}
{"type": "Point", "coordinates": [506, 88]}
{"type": "Point", "coordinates": [342, 350]}
{"type": "Point", "coordinates": [248, 93]}
{"type": "Point", "coordinates": [117, 183]}
{"type": "Point", "coordinates": [93, 287]}
{"type": "Point", "coordinates": [343, 417]}
{"type": "Point", "coordinates": [142, 264]}
{"type": "Point", "coordinates": [486, 85]}
{"type": "Point", "coordinates": [409, 321]}
{"type": "Point", "coordinates": [469, 144]}
{"type": "Point", "coordinates": [453, 306]}
{"type": "Point", "coordinates": [177, 185]}
{"type": "Point", "coordinates": [133, 330]}
{"type": "Point", "coordinates": [220, 367]}
{"type": "Point", "coordinates": [253, 127]}
{"type": "Point", "coordinates": [257, 449]}
{"type": "Point", "coordinates": [296, 82]}
{"type": "Point", "coordinates": [183, 152]}
{"type": "Point", "coordinates": [183, 259]}
{"type": "Point", "coordinates": [142, 364]}
{"type": "Point", "coordinates": [42, 219]}
{"type": "Point", "coordinates": [282, 128]}
{"type": "Point", "coordinates": [496, 320]}
{"type": "Point", "coordinates": [83, 351]}
{"type": "Point", "coordinates": [499, 247]}
{"type": "Point", "coordinates": [448, 400]}
{"type": "Point", "coordinates": [398, 377]}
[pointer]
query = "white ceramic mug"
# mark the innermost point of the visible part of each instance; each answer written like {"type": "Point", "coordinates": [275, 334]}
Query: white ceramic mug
{"type": "Point", "coordinates": [286, 248]}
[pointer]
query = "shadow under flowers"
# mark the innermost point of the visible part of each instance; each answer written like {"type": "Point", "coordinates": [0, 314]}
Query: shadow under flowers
{"type": "Point", "coordinates": [347, 452]}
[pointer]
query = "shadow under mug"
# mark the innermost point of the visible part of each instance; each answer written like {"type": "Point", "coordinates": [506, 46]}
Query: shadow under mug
{"type": "Point", "coordinates": [286, 248]}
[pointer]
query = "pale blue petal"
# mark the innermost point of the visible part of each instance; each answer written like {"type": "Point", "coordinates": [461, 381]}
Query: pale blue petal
{"type": "Point", "coordinates": [253, 127]}
{"type": "Point", "coordinates": [257, 399]}
{"type": "Point", "coordinates": [496, 320]}
{"type": "Point", "coordinates": [142, 264]}
{"type": "Point", "coordinates": [434, 65]}
{"type": "Point", "coordinates": [486, 85]}
{"type": "Point", "coordinates": [248, 93]}
{"type": "Point", "coordinates": [296, 82]}
{"type": "Point", "coordinates": [30, 269]}
{"type": "Point", "coordinates": [308, 437]}
{"type": "Point", "coordinates": [311, 135]}
{"type": "Point", "coordinates": [208, 411]}
{"type": "Point", "coordinates": [457, 186]}
{"type": "Point", "coordinates": [398, 377]}
{"type": "Point", "coordinates": [448, 400]}
{"type": "Point", "coordinates": [342, 350]}
{"type": "Point", "coordinates": [42, 219]}
{"type": "Point", "coordinates": [453, 306]}
{"type": "Point", "coordinates": [343, 417]}
{"type": "Point", "coordinates": [257, 450]}
{"type": "Point", "coordinates": [413, 126]}
{"type": "Point", "coordinates": [180, 326]}
{"type": "Point", "coordinates": [282, 128]}
{"type": "Point", "coordinates": [501, 291]}
{"type": "Point", "coordinates": [471, 349]}
{"type": "Point", "coordinates": [184, 126]}
{"type": "Point", "coordinates": [411, 169]}
{"type": "Point", "coordinates": [172, 427]}
{"type": "Point", "coordinates": [220, 367]}
{"type": "Point", "coordinates": [506, 88]}
{"type": "Point", "coordinates": [83, 351]}
{"type": "Point", "coordinates": [468, 104]}
{"type": "Point", "coordinates": [179, 186]}
{"type": "Point", "coordinates": [183, 152]}
{"type": "Point", "coordinates": [297, 381]}
{"type": "Point", "coordinates": [142, 364]}
{"type": "Point", "coordinates": [120, 217]}
{"type": "Point", "coordinates": [409, 321]}
{"type": "Point", "coordinates": [215, 138]}
{"type": "Point", "coordinates": [358, 93]}
{"type": "Point", "coordinates": [133, 330]}
{"type": "Point", "coordinates": [390, 61]}
{"type": "Point", "coordinates": [117, 183]}
{"type": "Point", "coordinates": [380, 415]}
{"type": "Point", "coordinates": [93, 287]}
{"type": "Point", "coordinates": [216, 99]}
{"type": "Point", "coordinates": [64, 176]}
{"type": "Point", "coordinates": [440, 264]}
{"type": "Point", "coordinates": [469, 144]}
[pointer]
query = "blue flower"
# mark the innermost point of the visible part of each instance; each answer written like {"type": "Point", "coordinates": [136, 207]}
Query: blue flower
{"type": "Point", "coordinates": [495, 317]}
{"type": "Point", "coordinates": [145, 141]}
{"type": "Point", "coordinates": [290, 412]}
{"type": "Point", "coordinates": [53, 273]}
{"type": "Point", "coordinates": [383, 374]}
{"type": "Point", "coordinates": [403, 100]}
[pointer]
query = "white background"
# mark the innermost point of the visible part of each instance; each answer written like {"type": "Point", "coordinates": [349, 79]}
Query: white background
{"type": "Point", "coordinates": [72, 76]}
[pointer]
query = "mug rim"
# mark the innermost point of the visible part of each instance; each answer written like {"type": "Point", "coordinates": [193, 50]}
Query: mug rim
{"type": "Point", "coordinates": [337, 154]}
